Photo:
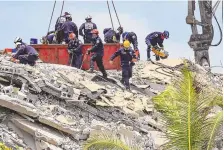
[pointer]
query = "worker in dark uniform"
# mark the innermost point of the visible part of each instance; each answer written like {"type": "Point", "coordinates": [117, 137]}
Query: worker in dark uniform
{"type": "Point", "coordinates": [25, 54]}
{"type": "Point", "coordinates": [111, 36]}
{"type": "Point", "coordinates": [153, 40]}
{"type": "Point", "coordinates": [88, 26]}
{"type": "Point", "coordinates": [127, 55]}
{"type": "Point", "coordinates": [98, 53]}
{"type": "Point", "coordinates": [75, 51]}
{"type": "Point", "coordinates": [69, 27]}
{"type": "Point", "coordinates": [132, 38]}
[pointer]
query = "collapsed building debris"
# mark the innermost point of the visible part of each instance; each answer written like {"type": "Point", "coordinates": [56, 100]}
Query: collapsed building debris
{"type": "Point", "coordinates": [59, 107]}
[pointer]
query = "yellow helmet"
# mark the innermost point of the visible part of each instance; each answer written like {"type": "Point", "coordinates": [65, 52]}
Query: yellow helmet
{"type": "Point", "coordinates": [126, 44]}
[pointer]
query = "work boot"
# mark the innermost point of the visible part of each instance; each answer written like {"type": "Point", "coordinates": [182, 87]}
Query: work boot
{"type": "Point", "coordinates": [105, 75]}
{"type": "Point", "coordinates": [148, 59]}
{"type": "Point", "coordinates": [157, 58]}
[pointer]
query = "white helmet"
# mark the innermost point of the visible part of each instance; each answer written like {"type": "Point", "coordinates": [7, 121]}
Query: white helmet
{"type": "Point", "coordinates": [88, 17]}
{"type": "Point", "coordinates": [18, 39]}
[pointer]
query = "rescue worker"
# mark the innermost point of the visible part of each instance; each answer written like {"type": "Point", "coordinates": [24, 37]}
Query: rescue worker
{"type": "Point", "coordinates": [75, 51]}
{"type": "Point", "coordinates": [132, 38]}
{"type": "Point", "coordinates": [25, 54]}
{"type": "Point", "coordinates": [153, 40]}
{"type": "Point", "coordinates": [50, 38]}
{"type": "Point", "coordinates": [88, 26]}
{"type": "Point", "coordinates": [127, 56]}
{"type": "Point", "coordinates": [98, 52]}
{"type": "Point", "coordinates": [111, 36]}
{"type": "Point", "coordinates": [69, 27]}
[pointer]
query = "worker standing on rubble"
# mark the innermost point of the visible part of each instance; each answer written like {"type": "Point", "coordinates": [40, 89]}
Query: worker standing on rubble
{"type": "Point", "coordinates": [98, 52]}
{"type": "Point", "coordinates": [132, 38]}
{"type": "Point", "coordinates": [69, 27]}
{"type": "Point", "coordinates": [25, 54]}
{"type": "Point", "coordinates": [75, 51]}
{"type": "Point", "coordinates": [111, 36]}
{"type": "Point", "coordinates": [88, 26]}
{"type": "Point", "coordinates": [153, 40]}
{"type": "Point", "coordinates": [127, 55]}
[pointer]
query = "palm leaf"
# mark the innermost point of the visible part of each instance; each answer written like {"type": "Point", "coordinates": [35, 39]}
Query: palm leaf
{"type": "Point", "coordinates": [215, 122]}
{"type": "Point", "coordinates": [105, 141]}
{"type": "Point", "coordinates": [185, 108]}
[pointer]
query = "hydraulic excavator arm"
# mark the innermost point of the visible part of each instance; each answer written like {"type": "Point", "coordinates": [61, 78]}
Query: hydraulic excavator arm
{"type": "Point", "coordinates": [201, 42]}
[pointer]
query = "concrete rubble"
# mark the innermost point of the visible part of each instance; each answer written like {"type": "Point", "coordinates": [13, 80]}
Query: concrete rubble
{"type": "Point", "coordinates": [58, 107]}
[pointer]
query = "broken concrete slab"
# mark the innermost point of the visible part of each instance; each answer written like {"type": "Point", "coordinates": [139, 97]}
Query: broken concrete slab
{"type": "Point", "coordinates": [38, 131]}
{"type": "Point", "coordinates": [18, 106]}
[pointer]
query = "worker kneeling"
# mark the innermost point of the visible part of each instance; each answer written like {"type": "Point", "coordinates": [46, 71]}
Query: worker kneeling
{"type": "Point", "coordinates": [75, 51]}
{"type": "Point", "coordinates": [25, 54]}
{"type": "Point", "coordinates": [127, 55]}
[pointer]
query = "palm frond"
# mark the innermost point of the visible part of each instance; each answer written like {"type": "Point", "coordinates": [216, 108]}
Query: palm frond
{"type": "Point", "coordinates": [185, 108]}
{"type": "Point", "coordinates": [215, 123]}
{"type": "Point", "coordinates": [104, 141]}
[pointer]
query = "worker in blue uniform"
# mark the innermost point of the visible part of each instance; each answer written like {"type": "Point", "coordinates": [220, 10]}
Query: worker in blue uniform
{"type": "Point", "coordinates": [132, 38]}
{"type": "Point", "coordinates": [127, 56]}
{"type": "Point", "coordinates": [69, 27]}
{"type": "Point", "coordinates": [111, 36]}
{"type": "Point", "coordinates": [88, 26]}
{"type": "Point", "coordinates": [75, 51]}
{"type": "Point", "coordinates": [97, 52]}
{"type": "Point", "coordinates": [153, 40]}
{"type": "Point", "coordinates": [25, 54]}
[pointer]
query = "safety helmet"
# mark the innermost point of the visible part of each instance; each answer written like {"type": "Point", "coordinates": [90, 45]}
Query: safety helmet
{"type": "Point", "coordinates": [88, 17]}
{"type": "Point", "coordinates": [18, 39]}
{"type": "Point", "coordinates": [61, 20]}
{"type": "Point", "coordinates": [166, 34]}
{"type": "Point", "coordinates": [72, 36]}
{"type": "Point", "coordinates": [126, 44]}
{"type": "Point", "coordinates": [95, 31]}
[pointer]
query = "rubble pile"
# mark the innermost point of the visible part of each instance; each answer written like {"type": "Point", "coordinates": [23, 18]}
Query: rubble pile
{"type": "Point", "coordinates": [60, 107]}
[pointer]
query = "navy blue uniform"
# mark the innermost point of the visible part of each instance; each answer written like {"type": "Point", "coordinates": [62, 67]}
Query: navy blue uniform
{"type": "Point", "coordinates": [132, 38]}
{"type": "Point", "coordinates": [98, 52]}
{"type": "Point", "coordinates": [109, 35]}
{"type": "Point", "coordinates": [152, 40]}
{"type": "Point", "coordinates": [126, 57]}
{"type": "Point", "coordinates": [75, 53]}
{"type": "Point", "coordinates": [26, 54]}
{"type": "Point", "coordinates": [87, 27]}
{"type": "Point", "coordinates": [69, 27]}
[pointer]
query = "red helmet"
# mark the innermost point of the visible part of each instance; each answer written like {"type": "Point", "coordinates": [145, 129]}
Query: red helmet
{"type": "Point", "coordinates": [95, 31]}
{"type": "Point", "coordinates": [72, 36]}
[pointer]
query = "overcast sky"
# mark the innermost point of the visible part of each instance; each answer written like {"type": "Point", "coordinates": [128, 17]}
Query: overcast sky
{"type": "Point", "coordinates": [30, 19]}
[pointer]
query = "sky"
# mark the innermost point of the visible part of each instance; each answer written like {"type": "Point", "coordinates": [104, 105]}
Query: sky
{"type": "Point", "coordinates": [30, 19]}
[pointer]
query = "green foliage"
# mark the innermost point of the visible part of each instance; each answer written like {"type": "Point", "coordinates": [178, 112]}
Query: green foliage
{"type": "Point", "coordinates": [105, 141]}
{"type": "Point", "coordinates": [186, 108]}
{"type": "Point", "coordinates": [4, 147]}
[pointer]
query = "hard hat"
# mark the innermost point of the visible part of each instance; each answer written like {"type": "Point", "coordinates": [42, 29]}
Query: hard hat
{"type": "Point", "coordinates": [17, 39]}
{"type": "Point", "coordinates": [88, 17]}
{"type": "Point", "coordinates": [166, 34]}
{"type": "Point", "coordinates": [72, 36]}
{"type": "Point", "coordinates": [126, 44]}
{"type": "Point", "coordinates": [95, 31]}
{"type": "Point", "coordinates": [66, 13]}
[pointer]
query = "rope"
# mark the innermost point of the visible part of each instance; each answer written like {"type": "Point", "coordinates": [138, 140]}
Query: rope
{"type": "Point", "coordinates": [62, 7]}
{"type": "Point", "coordinates": [116, 14]}
{"type": "Point", "coordinates": [51, 17]}
{"type": "Point", "coordinates": [110, 15]}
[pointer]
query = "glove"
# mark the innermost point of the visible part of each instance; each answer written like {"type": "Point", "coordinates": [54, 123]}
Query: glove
{"type": "Point", "coordinates": [156, 47]}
